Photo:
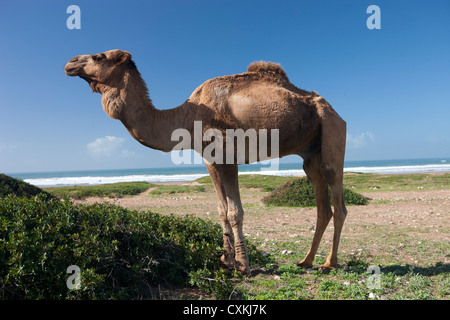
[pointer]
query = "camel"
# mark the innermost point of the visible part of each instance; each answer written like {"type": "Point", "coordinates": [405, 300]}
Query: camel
{"type": "Point", "coordinates": [261, 98]}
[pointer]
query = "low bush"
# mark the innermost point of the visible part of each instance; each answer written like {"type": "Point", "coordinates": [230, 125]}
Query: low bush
{"type": "Point", "coordinates": [300, 193]}
{"type": "Point", "coordinates": [9, 185]}
{"type": "Point", "coordinates": [120, 253]}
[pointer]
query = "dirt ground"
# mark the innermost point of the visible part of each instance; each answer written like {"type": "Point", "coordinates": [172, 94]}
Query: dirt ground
{"type": "Point", "coordinates": [421, 214]}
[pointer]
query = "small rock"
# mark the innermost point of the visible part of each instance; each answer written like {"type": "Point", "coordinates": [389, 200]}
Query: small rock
{"type": "Point", "coordinates": [347, 283]}
{"type": "Point", "coordinates": [276, 277]}
{"type": "Point", "coordinates": [373, 296]}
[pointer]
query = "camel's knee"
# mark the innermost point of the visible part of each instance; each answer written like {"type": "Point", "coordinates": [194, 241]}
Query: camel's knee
{"type": "Point", "coordinates": [343, 209]}
{"type": "Point", "coordinates": [339, 216]}
{"type": "Point", "coordinates": [235, 217]}
{"type": "Point", "coordinates": [328, 172]}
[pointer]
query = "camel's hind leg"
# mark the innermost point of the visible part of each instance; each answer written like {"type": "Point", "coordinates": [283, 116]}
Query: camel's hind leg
{"type": "Point", "coordinates": [324, 214]}
{"type": "Point", "coordinates": [326, 167]}
{"type": "Point", "coordinates": [332, 167]}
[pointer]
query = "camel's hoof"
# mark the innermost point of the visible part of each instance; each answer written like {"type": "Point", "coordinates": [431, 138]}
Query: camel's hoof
{"type": "Point", "coordinates": [244, 270]}
{"type": "Point", "coordinates": [227, 262]}
{"type": "Point", "coordinates": [326, 267]}
{"type": "Point", "coordinates": [304, 265]}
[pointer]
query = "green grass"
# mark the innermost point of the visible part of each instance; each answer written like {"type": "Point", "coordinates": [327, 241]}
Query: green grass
{"type": "Point", "coordinates": [281, 280]}
{"type": "Point", "coordinates": [113, 190]}
{"type": "Point", "coordinates": [173, 189]}
{"type": "Point", "coordinates": [368, 182]}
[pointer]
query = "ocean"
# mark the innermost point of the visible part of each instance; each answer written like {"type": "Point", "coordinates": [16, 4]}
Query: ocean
{"type": "Point", "coordinates": [190, 173]}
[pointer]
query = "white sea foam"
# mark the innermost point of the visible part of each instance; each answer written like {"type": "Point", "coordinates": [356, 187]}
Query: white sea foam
{"type": "Point", "coordinates": [71, 181]}
{"type": "Point", "coordinates": [428, 168]}
{"type": "Point", "coordinates": [75, 181]}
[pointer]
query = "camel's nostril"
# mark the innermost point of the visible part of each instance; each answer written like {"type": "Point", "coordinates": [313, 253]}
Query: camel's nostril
{"type": "Point", "coordinates": [75, 59]}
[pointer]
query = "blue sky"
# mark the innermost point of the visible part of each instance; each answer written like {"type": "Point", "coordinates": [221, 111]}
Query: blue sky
{"type": "Point", "coordinates": [391, 85]}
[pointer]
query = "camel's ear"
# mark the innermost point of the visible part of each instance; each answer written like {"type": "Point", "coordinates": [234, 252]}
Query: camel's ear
{"type": "Point", "coordinates": [124, 57]}
{"type": "Point", "coordinates": [121, 57]}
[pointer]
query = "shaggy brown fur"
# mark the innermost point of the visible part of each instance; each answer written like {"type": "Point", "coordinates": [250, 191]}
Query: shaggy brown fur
{"type": "Point", "coordinates": [261, 98]}
{"type": "Point", "coordinates": [270, 69]}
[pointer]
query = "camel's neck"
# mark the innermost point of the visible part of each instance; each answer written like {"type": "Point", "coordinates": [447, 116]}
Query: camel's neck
{"type": "Point", "coordinates": [148, 125]}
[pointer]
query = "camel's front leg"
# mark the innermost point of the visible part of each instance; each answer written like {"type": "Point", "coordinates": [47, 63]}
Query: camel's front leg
{"type": "Point", "coordinates": [228, 243]}
{"type": "Point", "coordinates": [235, 215]}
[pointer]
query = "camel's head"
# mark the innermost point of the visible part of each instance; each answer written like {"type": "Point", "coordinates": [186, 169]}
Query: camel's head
{"type": "Point", "coordinates": [105, 68]}
{"type": "Point", "coordinates": [105, 74]}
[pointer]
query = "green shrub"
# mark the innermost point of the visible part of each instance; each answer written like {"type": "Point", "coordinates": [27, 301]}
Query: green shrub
{"type": "Point", "coordinates": [121, 253]}
{"type": "Point", "coordinates": [300, 193]}
{"type": "Point", "coordinates": [9, 185]}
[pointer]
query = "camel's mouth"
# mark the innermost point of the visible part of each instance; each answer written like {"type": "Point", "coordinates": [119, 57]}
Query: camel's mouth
{"type": "Point", "coordinates": [71, 71]}
{"type": "Point", "coordinates": [75, 66]}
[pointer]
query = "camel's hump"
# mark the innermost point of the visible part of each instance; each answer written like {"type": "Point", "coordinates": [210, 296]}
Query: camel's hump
{"type": "Point", "coordinates": [269, 68]}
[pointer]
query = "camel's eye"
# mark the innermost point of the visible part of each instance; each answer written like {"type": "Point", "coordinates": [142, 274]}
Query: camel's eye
{"type": "Point", "coordinates": [98, 57]}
